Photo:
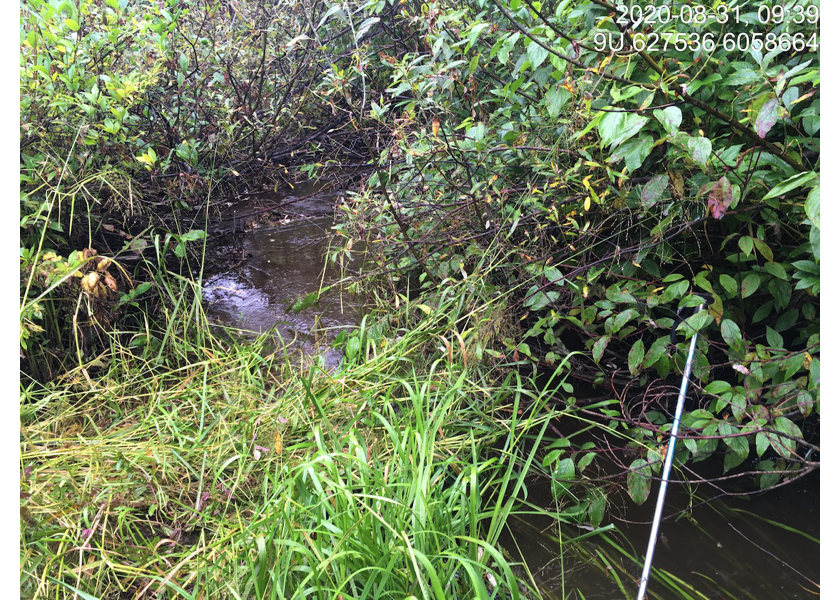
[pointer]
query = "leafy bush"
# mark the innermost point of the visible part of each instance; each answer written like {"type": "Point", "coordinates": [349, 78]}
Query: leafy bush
{"type": "Point", "coordinates": [618, 185]}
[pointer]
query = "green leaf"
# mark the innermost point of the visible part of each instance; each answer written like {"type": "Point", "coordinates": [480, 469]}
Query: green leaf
{"type": "Point", "coordinates": [670, 118]}
{"type": "Point", "coordinates": [475, 31]}
{"type": "Point", "coordinates": [739, 444]}
{"type": "Point", "coordinates": [623, 317]}
{"type": "Point", "coordinates": [811, 118]}
{"type": "Point", "coordinates": [731, 334]}
{"type": "Point", "coordinates": [554, 275]}
{"type": "Point", "coordinates": [745, 243]}
{"type": "Point", "coordinates": [749, 285]}
{"type": "Point", "coordinates": [793, 364]}
{"type": "Point", "coordinates": [304, 303]}
{"type": "Point", "coordinates": [769, 479]}
{"type": "Point", "coordinates": [639, 480]}
{"type": "Point", "coordinates": [675, 290]}
{"type": "Point", "coordinates": [787, 320]}
{"type": "Point", "coordinates": [336, 8]}
{"type": "Point", "coordinates": [812, 207]}
{"type": "Point", "coordinates": [791, 183]}
{"type": "Point", "coordinates": [744, 74]}
{"type": "Point", "coordinates": [695, 323]}
{"type": "Point", "coordinates": [808, 266]}
{"type": "Point", "coordinates": [776, 270]}
{"type": "Point", "coordinates": [761, 443]}
{"type": "Point", "coordinates": [584, 462]}
{"type": "Point", "coordinates": [698, 418]}
{"type": "Point", "coordinates": [616, 294]}
{"type": "Point", "coordinates": [763, 310]}
{"type": "Point", "coordinates": [728, 284]}
{"type": "Point", "coordinates": [599, 347]}
{"type": "Point", "coordinates": [717, 387]}
{"type": "Point", "coordinates": [193, 235]}
{"type": "Point", "coordinates": [556, 99]}
{"type": "Point", "coordinates": [654, 190]}
{"type": "Point", "coordinates": [768, 114]}
{"type": "Point", "coordinates": [700, 149]}
{"type": "Point", "coordinates": [814, 374]}
{"type": "Point", "coordinates": [814, 238]}
{"type": "Point", "coordinates": [354, 344]}
{"type": "Point", "coordinates": [366, 24]}
{"type": "Point", "coordinates": [537, 300]}
{"type": "Point", "coordinates": [473, 64]}
{"type": "Point", "coordinates": [774, 339]}
{"type": "Point", "coordinates": [781, 291]}
{"type": "Point", "coordinates": [783, 445]}
{"type": "Point", "coordinates": [536, 54]}
{"type": "Point", "coordinates": [615, 127]}
{"type": "Point", "coordinates": [596, 510]}
{"type": "Point", "coordinates": [633, 152]}
{"type": "Point", "coordinates": [764, 249]}
{"type": "Point", "coordinates": [562, 476]}
{"type": "Point", "coordinates": [634, 358]}
{"type": "Point", "coordinates": [657, 350]}
{"type": "Point", "coordinates": [738, 404]}
{"type": "Point", "coordinates": [732, 459]}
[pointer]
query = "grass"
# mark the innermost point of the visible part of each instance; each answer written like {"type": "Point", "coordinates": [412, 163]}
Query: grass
{"type": "Point", "coordinates": [187, 466]}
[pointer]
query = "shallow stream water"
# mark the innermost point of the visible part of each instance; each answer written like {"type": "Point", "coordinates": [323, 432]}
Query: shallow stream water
{"type": "Point", "coordinates": [272, 258]}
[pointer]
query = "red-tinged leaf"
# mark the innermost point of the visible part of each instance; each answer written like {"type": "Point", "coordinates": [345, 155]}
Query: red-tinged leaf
{"type": "Point", "coordinates": [805, 402]}
{"type": "Point", "coordinates": [599, 347]}
{"type": "Point", "coordinates": [720, 197]}
{"type": "Point", "coordinates": [767, 117]}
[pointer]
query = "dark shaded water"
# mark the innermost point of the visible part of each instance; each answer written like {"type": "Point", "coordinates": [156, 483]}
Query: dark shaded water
{"type": "Point", "coordinates": [762, 547]}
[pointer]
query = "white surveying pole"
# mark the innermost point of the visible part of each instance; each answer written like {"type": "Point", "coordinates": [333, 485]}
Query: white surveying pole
{"type": "Point", "coordinates": [666, 471]}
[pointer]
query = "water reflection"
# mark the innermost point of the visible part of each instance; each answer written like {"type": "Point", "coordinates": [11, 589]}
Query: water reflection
{"type": "Point", "coordinates": [764, 547]}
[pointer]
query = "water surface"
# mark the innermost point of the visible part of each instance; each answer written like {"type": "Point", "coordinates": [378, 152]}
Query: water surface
{"type": "Point", "coordinates": [272, 258]}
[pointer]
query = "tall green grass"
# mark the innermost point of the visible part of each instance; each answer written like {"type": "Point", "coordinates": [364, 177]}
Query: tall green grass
{"type": "Point", "coordinates": [188, 466]}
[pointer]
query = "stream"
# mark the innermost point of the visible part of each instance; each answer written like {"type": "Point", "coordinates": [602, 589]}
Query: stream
{"type": "Point", "coordinates": [269, 258]}
{"type": "Point", "coordinates": [757, 547]}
